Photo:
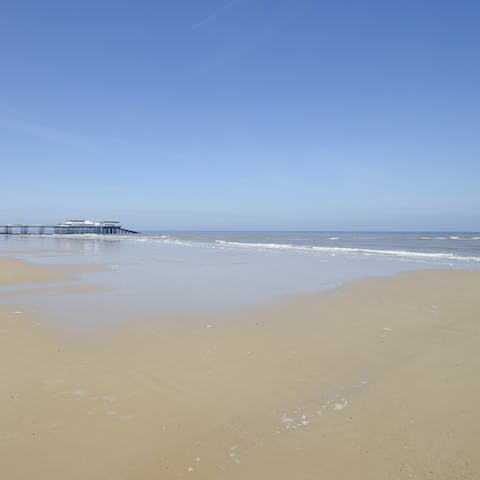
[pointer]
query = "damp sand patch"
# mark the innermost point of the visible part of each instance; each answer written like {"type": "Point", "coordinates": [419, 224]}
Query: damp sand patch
{"type": "Point", "coordinates": [15, 272]}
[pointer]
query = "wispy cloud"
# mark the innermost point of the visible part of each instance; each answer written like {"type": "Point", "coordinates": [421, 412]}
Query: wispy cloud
{"type": "Point", "coordinates": [214, 15]}
{"type": "Point", "coordinates": [46, 132]}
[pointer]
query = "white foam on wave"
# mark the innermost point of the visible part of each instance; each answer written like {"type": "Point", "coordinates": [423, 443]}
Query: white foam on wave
{"type": "Point", "coordinates": [351, 250]}
{"type": "Point", "coordinates": [164, 239]}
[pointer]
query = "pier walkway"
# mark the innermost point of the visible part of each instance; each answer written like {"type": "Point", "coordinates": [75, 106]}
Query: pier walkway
{"type": "Point", "coordinates": [69, 227]}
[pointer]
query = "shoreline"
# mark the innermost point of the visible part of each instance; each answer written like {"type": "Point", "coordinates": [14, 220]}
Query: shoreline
{"type": "Point", "coordinates": [377, 379]}
{"type": "Point", "coordinates": [145, 278]}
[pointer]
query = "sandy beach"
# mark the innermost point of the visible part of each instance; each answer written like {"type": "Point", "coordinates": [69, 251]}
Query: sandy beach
{"type": "Point", "coordinates": [377, 379]}
{"type": "Point", "coordinates": [239, 240]}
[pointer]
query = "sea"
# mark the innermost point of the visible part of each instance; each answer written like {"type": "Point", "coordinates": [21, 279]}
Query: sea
{"type": "Point", "coordinates": [187, 272]}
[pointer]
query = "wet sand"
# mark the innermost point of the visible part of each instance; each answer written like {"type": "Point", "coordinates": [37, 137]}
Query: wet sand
{"type": "Point", "coordinates": [14, 271]}
{"type": "Point", "coordinates": [378, 380]}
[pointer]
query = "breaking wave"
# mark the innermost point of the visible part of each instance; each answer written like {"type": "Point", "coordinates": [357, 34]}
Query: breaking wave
{"type": "Point", "coordinates": [364, 251]}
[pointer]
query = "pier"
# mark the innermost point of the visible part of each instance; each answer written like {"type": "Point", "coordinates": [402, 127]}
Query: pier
{"type": "Point", "coordinates": [68, 227]}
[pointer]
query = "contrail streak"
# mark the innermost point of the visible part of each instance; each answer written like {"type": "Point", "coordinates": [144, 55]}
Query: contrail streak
{"type": "Point", "coordinates": [214, 14]}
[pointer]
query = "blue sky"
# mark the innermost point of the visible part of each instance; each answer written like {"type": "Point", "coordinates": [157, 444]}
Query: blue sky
{"type": "Point", "coordinates": [242, 114]}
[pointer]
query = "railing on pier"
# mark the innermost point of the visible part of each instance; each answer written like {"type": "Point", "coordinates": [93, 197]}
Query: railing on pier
{"type": "Point", "coordinates": [16, 229]}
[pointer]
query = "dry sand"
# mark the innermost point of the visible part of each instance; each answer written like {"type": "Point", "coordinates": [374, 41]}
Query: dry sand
{"type": "Point", "coordinates": [376, 380]}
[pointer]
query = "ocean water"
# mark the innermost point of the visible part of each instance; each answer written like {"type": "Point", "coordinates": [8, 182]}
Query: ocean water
{"type": "Point", "coordinates": [447, 245]}
{"type": "Point", "coordinates": [211, 272]}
